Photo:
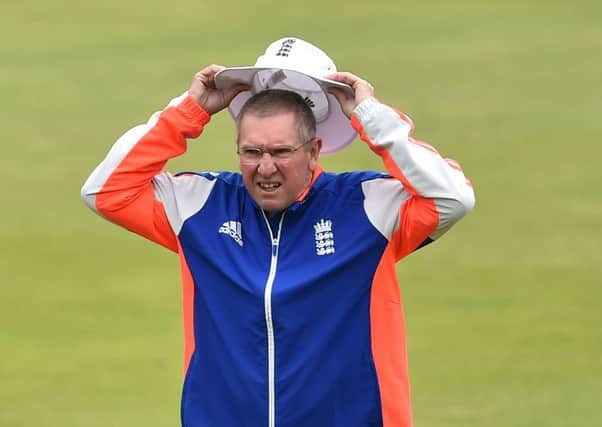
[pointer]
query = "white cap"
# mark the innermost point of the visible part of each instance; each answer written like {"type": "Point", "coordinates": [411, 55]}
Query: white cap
{"type": "Point", "coordinates": [296, 65]}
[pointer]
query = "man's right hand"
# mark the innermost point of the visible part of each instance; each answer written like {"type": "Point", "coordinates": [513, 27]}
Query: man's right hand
{"type": "Point", "coordinates": [203, 90]}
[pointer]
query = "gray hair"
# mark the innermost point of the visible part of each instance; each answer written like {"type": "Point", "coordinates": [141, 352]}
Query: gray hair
{"type": "Point", "coordinates": [277, 101]}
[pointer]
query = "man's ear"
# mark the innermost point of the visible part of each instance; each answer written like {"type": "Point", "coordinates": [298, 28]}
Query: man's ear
{"type": "Point", "coordinates": [314, 152]}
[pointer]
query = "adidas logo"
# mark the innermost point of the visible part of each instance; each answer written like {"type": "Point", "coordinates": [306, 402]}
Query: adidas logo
{"type": "Point", "coordinates": [232, 229]}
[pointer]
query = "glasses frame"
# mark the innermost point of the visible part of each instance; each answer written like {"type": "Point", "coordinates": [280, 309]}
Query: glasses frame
{"type": "Point", "coordinates": [275, 157]}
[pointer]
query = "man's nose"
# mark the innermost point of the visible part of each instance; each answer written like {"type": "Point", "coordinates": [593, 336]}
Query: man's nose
{"type": "Point", "coordinates": [267, 166]}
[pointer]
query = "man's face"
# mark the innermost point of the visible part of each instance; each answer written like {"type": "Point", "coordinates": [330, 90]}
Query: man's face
{"type": "Point", "coordinates": [275, 178]}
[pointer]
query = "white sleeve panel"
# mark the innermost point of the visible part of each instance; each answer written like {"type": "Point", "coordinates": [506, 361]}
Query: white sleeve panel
{"type": "Point", "coordinates": [423, 167]}
{"type": "Point", "coordinates": [118, 152]}
{"type": "Point", "coordinates": [182, 196]}
{"type": "Point", "coordinates": [384, 196]}
{"type": "Point", "coordinates": [423, 171]}
{"type": "Point", "coordinates": [450, 211]}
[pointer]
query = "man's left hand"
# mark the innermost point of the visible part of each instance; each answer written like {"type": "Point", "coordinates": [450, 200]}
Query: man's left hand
{"type": "Point", "coordinates": [362, 89]}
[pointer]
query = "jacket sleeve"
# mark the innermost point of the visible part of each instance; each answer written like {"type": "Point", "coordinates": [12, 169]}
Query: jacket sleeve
{"type": "Point", "coordinates": [428, 193]}
{"type": "Point", "coordinates": [130, 188]}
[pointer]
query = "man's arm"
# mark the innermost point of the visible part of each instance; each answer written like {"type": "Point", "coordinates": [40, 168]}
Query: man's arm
{"type": "Point", "coordinates": [430, 193]}
{"type": "Point", "coordinates": [130, 188]}
{"type": "Point", "coordinates": [125, 187]}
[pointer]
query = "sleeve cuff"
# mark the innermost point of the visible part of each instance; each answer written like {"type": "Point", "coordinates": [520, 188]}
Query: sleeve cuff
{"type": "Point", "coordinates": [366, 109]}
{"type": "Point", "coordinates": [194, 111]}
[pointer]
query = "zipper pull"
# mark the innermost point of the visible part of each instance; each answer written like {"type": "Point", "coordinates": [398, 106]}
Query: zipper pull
{"type": "Point", "coordinates": [274, 246]}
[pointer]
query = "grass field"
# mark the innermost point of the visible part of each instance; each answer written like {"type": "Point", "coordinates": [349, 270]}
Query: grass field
{"type": "Point", "coordinates": [503, 313]}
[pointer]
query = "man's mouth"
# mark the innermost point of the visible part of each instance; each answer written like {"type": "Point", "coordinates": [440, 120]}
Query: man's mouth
{"type": "Point", "coordinates": [268, 186]}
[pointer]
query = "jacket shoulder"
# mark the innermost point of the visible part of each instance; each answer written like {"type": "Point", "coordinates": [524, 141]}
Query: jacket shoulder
{"type": "Point", "coordinates": [348, 182]}
{"type": "Point", "coordinates": [229, 178]}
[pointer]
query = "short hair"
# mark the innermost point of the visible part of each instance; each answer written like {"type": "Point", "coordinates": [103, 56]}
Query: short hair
{"type": "Point", "coordinates": [277, 101]}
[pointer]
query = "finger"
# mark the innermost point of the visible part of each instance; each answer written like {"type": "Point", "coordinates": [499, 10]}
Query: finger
{"type": "Point", "coordinates": [233, 91]}
{"type": "Point", "coordinates": [343, 77]}
{"type": "Point", "coordinates": [211, 69]}
{"type": "Point", "coordinates": [361, 85]}
{"type": "Point", "coordinates": [343, 98]}
{"type": "Point", "coordinates": [207, 74]}
{"type": "Point", "coordinates": [340, 94]}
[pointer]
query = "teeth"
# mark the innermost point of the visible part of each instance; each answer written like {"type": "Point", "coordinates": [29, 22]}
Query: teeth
{"type": "Point", "coordinates": [268, 185]}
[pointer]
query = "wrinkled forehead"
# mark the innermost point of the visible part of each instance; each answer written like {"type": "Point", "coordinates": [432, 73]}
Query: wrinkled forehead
{"type": "Point", "coordinates": [259, 128]}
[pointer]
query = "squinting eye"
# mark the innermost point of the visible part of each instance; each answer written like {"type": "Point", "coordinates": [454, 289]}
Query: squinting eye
{"type": "Point", "coordinates": [282, 153]}
{"type": "Point", "coordinates": [251, 152]}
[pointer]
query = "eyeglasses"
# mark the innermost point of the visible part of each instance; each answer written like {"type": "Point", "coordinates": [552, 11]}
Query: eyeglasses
{"type": "Point", "coordinates": [252, 155]}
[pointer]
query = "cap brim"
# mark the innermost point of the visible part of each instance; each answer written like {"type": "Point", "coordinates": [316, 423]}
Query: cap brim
{"type": "Point", "coordinates": [336, 130]}
{"type": "Point", "coordinates": [235, 75]}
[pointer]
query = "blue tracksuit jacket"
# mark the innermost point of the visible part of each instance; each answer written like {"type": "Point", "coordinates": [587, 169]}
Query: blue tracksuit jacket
{"type": "Point", "coordinates": [296, 319]}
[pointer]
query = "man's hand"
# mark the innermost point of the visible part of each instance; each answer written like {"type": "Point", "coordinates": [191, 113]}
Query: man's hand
{"type": "Point", "coordinates": [203, 90]}
{"type": "Point", "coordinates": [361, 88]}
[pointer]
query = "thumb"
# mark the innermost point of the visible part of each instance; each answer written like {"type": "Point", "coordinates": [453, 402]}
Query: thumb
{"type": "Point", "coordinates": [343, 98]}
{"type": "Point", "coordinates": [233, 91]}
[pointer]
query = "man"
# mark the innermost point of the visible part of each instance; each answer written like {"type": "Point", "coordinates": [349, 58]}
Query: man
{"type": "Point", "coordinates": [291, 302]}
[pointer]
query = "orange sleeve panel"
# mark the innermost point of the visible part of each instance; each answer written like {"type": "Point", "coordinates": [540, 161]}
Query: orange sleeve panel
{"type": "Point", "coordinates": [388, 330]}
{"type": "Point", "coordinates": [187, 310]}
{"type": "Point", "coordinates": [419, 217]}
{"type": "Point", "coordinates": [385, 155]}
{"type": "Point", "coordinates": [127, 197]}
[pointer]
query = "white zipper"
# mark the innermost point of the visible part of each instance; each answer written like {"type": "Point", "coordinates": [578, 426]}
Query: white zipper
{"type": "Point", "coordinates": [267, 301]}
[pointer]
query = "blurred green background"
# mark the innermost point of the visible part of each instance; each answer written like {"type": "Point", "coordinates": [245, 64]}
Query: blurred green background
{"type": "Point", "coordinates": [504, 319]}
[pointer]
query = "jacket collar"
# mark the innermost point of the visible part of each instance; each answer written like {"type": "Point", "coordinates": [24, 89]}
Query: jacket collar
{"type": "Point", "coordinates": [316, 173]}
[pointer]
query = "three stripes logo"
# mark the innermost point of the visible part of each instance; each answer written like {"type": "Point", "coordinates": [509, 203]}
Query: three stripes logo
{"type": "Point", "coordinates": [232, 229]}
